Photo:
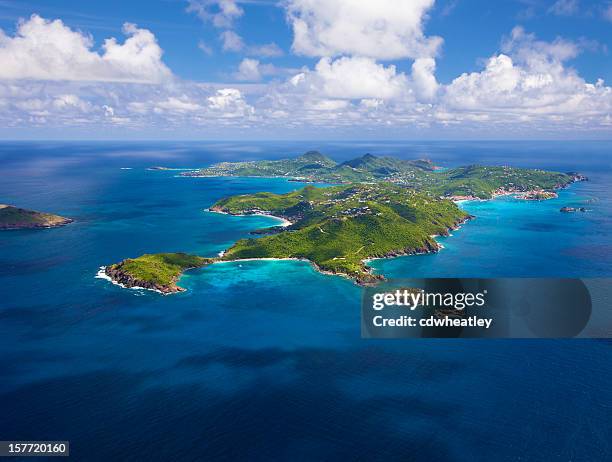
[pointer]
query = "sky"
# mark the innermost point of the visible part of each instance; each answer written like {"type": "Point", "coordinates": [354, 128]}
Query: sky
{"type": "Point", "coordinates": [302, 69]}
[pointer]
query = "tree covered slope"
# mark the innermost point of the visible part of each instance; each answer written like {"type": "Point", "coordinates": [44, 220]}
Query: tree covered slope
{"type": "Point", "coordinates": [337, 228]}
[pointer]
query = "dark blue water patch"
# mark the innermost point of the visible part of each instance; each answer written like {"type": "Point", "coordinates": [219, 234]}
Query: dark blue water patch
{"type": "Point", "coordinates": [541, 227]}
{"type": "Point", "coordinates": [267, 415]}
{"type": "Point", "coordinates": [32, 266]}
{"type": "Point", "coordinates": [271, 351]}
{"type": "Point", "coordinates": [590, 252]}
{"type": "Point", "coordinates": [212, 421]}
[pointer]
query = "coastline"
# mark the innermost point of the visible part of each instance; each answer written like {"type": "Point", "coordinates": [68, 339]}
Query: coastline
{"type": "Point", "coordinates": [368, 276]}
{"type": "Point", "coordinates": [101, 274]}
{"type": "Point", "coordinates": [283, 221]}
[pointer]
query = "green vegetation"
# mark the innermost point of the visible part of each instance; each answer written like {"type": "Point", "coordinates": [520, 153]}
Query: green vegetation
{"type": "Point", "coordinates": [471, 181]}
{"type": "Point", "coordinates": [155, 271]}
{"type": "Point", "coordinates": [380, 207]}
{"type": "Point", "coordinates": [16, 218]}
{"type": "Point", "coordinates": [485, 182]}
{"type": "Point", "coordinates": [315, 167]}
{"type": "Point", "coordinates": [337, 228]}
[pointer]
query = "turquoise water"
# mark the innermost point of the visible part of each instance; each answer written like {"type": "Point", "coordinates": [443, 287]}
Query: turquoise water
{"type": "Point", "coordinates": [511, 237]}
{"type": "Point", "coordinates": [264, 360]}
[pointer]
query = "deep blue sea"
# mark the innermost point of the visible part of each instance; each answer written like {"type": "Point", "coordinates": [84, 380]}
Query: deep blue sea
{"type": "Point", "coordinates": [264, 360]}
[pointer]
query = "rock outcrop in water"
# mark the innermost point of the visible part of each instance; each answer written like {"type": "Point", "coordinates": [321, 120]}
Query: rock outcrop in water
{"type": "Point", "coordinates": [572, 209]}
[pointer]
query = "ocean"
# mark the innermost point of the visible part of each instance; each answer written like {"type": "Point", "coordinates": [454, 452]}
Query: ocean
{"type": "Point", "coordinates": [263, 360]}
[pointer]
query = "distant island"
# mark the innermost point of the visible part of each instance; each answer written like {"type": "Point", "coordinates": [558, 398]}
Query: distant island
{"type": "Point", "coordinates": [12, 217]}
{"type": "Point", "coordinates": [378, 207]}
{"type": "Point", "coordinates": [462, 183]}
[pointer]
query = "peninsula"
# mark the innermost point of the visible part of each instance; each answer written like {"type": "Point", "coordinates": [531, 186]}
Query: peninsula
{"type": "Point", "coordinates": [159, 272]}
{"type": "Point", "coordinates": [16, 218]}
{"type": "Point", "coordinates": [378, 207]}
{"type": "Point", "coordinates": [337, 229]}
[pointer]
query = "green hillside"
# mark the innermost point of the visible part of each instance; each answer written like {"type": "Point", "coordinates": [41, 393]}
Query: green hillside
{"type": "Point", "coordinates": [472, 181]}
{"type": "Point", "coordinates": [155, 271]}
{"type": "Point", "coordinates": [17, 218]}
{"type": "Point", "coordinates": [338, 227]}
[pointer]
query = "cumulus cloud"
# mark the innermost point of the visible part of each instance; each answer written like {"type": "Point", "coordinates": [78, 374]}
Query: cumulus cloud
{"type": "Point", "coordinates": [536, 53]}
{"type": "Point", "coordinates": [527, 83]}
{"type": "Point", "coordinates": [249, 70]}
{"type": "Point", "coordinates": [351, 78]}
{"type": "Point", "coordinates": [530, 83]}
{"type": "Point", "coordinates": [385, 29]}
{"type": "Point", "coordinates": [49, 50]}
{"type": "Point", "coordinates": [229, 102]}
{"type": "Point", "coordinates": [424, 79]}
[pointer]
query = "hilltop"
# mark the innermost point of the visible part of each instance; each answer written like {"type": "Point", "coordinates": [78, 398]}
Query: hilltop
{"type": "Point", "coordinates": [16, 218]}
{"type": "Point", "coordinates": [316, 167]}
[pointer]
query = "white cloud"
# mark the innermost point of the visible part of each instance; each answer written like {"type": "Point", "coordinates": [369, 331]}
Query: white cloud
{"type": "Point", "coordinates": [525, 47]}
{"type": "Point", "coordinates": [268, 50]}
{"type": "Point", "coordinates": [229, 102]}
{"type": "Point", "coordinates": [351, 78]}
{"type": "Point", "coordinates": [424, 79]}
{"type": "Point", "coordinates": [248, 70]}
{"type": "Point", "coordinates": [222, 13]}
{"type": "Point", "coordinates": [384, 29]}
{"type": "Point", "coordinates": [564, 7]}
{"type": "Point", "coordinates": [531, 84]}
{"type": "Point", "coordinates": [179, 104]}
{"type": "Point", "coordinates": [49, 50]}
{"type": "Point", "coordinates": [231, 41]}
{"type": "Point", "coordinates": [528, 84]}
{"type": "Point", "coordinates": [329, 105]}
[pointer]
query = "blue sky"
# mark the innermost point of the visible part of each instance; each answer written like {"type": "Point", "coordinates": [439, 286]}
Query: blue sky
{"type": "Point", "coordinates": [232, 69]}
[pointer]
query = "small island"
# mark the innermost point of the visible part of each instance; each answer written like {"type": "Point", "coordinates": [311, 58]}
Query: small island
{"type": "Point", "coordinates": [12, 217]}
{"type": "Point", "coordinates": [159, 272]}
{"type": "Point", "coordinates": [572, 209]}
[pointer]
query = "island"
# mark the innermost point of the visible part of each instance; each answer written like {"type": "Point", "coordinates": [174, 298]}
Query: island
{"type": "Point", "coordinates": [12, 217]}
{"type": "Point", "coordinates": [472, 182]}
{"type": "Point", "coordinates": [374, 207]}
{"type": "Point", "coordinates": [159, 272]}
{"type": "Point", "coordinates": [338, 229]}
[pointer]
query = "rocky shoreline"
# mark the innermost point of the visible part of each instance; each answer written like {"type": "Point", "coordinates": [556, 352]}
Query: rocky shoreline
{"type": "Point", "coordinates": [161, 277]}
{"type": "Point", "coordinates": [118, 276]}
{"type": "Point", "coordinates": [127, 281]}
